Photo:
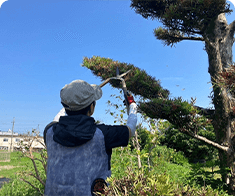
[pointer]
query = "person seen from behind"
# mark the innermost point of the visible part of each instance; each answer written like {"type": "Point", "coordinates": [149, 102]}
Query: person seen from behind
{"type": "Point", "coordinates": [79, 150]}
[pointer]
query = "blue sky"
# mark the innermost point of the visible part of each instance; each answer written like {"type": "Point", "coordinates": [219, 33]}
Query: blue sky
{"type": "Point", "coordinates": [43, 42]}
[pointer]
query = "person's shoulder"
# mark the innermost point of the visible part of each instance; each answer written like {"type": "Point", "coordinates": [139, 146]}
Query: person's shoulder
{"type": "Point", "coordinates": [49, 125]}
{"type": "Point", "coordinates": [47, 128]}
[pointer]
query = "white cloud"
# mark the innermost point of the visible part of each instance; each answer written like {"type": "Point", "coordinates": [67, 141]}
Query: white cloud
{"type": "Point", "coordinates": [233, 2]}
{"type": "Point", "coordinates": [1, 2]}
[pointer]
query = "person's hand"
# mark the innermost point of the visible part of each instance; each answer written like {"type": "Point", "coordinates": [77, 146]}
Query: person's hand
{"type": "Point", "coordinates": [130, 99]}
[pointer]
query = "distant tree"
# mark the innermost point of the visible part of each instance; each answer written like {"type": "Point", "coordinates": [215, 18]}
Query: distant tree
{"type": "Point", "coordinates": [197, 20]}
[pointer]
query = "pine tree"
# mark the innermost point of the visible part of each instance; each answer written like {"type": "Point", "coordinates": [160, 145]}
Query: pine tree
{"type": "Point", "coordinates": [197, 20]}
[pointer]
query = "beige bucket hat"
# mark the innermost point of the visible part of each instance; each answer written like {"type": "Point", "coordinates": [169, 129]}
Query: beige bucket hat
{"type": "Point", "coordinates": [79, 94]}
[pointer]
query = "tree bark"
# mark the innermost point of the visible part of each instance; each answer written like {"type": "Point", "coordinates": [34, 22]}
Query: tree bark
{"type": "Point", "coordinates": [219, 50]}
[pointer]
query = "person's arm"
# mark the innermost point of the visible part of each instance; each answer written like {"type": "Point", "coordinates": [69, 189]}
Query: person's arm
{"type": "Point", "coordinates": [132, 118]}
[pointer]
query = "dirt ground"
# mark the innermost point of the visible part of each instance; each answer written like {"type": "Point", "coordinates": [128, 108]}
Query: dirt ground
{"type": "Point", "coordinates": [3, 180]}
{"type": "Point", "coordinates": [7, 167]}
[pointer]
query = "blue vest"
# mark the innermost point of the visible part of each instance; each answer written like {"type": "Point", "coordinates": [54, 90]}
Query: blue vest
{"type": "Point", "coordinates": [73, 171]}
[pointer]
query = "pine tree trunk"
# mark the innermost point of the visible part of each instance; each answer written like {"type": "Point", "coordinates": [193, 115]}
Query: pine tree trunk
{"type": "Point", "coordinates": [219, 49]}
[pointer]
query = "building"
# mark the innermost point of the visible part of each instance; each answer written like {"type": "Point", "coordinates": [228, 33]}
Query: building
{"type": "Point", "coordinates": [6, 137]}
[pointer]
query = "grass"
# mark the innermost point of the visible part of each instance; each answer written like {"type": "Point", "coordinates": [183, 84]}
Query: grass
{"type": "Point", "coordinates": [197, 179]}
{"type": "Point", "coordinates": [17, 187]}
{"type": "Point", "coordinates": [209, 169]}
{"type": "Point", "coordinates": [179, 173]}
{"type": "Point", "coordinates": [17, 161]}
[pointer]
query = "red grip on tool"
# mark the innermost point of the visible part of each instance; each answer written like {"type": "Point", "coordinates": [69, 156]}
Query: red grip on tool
{"type": "Point", "coordinates": [130, 99]}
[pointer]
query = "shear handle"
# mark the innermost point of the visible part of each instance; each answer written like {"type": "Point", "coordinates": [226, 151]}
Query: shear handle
{"type": "Point", "coordinates": [125, 95]}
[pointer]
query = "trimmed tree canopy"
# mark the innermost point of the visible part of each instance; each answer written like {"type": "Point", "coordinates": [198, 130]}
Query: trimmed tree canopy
{"type": "Point", "coordinates": [137, 81]}
{"type": "Point", "coordinates": [158, 104]}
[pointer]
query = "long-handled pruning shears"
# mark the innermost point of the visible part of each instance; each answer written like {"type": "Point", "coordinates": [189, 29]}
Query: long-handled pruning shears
{"type": "Point", "coordinates": [119, 77]}
{"type": "Point", "coordinates": [123, 88]}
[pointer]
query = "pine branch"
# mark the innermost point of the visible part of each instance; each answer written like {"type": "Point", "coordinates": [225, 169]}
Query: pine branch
{"type": "Point", "coordinates": [216, 145]}
{"type": "Point", "coordinates": [176, 111]}
{"type": "Point", "coordinates": [137, 81]}
{"type": "Point", "coordinates": [170, 37]}
{"type": "Point", "coordinates": [196, 32]}
{"type": "Point", "coordinates": [189, 32]}
{"type": "Point", "coordinates": [181, 117]}
{"type": "Point", "coordinates": [188, 16]}
{"type": "Point", "coordinates": [191, 38]}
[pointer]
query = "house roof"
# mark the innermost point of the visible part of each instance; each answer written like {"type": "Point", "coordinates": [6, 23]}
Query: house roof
{"type": "Point", "coordinates": [9, 132]}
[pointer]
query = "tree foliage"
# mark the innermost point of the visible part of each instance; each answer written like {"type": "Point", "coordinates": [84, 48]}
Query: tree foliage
{"type": "Point", "coordinates": [181, 18]}
{"type": "Point", "coordinates": [137, 81]}
{"type": "Point", "coordinates": [157, 103]}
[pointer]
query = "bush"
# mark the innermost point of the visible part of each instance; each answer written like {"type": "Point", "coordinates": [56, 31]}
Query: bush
{"type": "Point", "coordinates": [149, 183]}
{"type": "Point", "coordinates": [170, 155]}
{"type": "Point", "coordinates": [170, 174]}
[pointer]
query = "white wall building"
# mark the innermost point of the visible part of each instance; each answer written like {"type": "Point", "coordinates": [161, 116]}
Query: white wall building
{"type": "Point", "coordinates": [6, 137]}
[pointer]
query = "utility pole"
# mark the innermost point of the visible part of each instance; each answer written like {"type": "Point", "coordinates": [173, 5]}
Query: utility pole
{"type": "Point", "coordinates": [38, 130]}
{"type": "Point", "coordinates": [12, 131]}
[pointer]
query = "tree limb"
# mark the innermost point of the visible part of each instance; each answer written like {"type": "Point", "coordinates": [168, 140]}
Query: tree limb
{"type": "Point", "coordinates": [197, 32]}
{"type": "Point", "coordinates": [170, 36]}
{"type": "Point", "coordinates": [36, 170]}
{"type": "Point", "coordinates": [190, 38]}
{"type": "Point", "coordinates": [38, 178]}
{"type": "Point", "coordinates": [216, 145]}
{"type": "Point", "coordinates": [181, 29]}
